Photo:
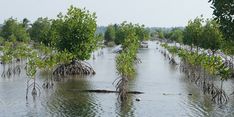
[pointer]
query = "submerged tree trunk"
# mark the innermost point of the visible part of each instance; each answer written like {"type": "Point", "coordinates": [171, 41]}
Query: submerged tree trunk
{"type": "Point", "coordinates": [105, 91]}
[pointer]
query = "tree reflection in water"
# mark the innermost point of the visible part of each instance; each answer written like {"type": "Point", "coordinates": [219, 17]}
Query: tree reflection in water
{"type": "Point", "coordinates": [65, 102]}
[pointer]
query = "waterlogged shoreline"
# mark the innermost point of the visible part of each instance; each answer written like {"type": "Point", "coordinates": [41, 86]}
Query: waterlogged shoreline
{"type": "Point", "coordinates": [155, 77]}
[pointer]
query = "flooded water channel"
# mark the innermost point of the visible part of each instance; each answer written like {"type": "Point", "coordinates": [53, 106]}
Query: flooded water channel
{"type": "Point", "coordinates": [166, 93]}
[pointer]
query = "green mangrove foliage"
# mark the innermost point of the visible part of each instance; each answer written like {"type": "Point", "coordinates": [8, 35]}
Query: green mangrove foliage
{"type": "Point", "coordinates": [201, 64]}
{"type": "Point", "coordinates": [114, 33]}
{"type": "Point", "coordinates": [211, 36]}
{"type": "Point", "coordinates": [14, 56]}
{"type": "Point", "coordinates": [199, 33]}
{"type": "Point", "coordinates": [40, 31]}
{"type": "Point", "coordinates": [58, 47]}
{"type": "Point", "coordinates": [126, 59]}
{"type": "Point", "coordinates": [32, 59]}
{"type": "Point", "coordinates": [109, 34]}
{"type": "Point", "coordinates": [13, 31]}
{"type": "Point", "coordinates": [223, 12]}
{"type": "Point", "coordinates": [203, 70]}
{"type": "Point", "coordinates": [193, 32]}
{"type": "Point", "coordinates": [11, 58]}
{"type": "Point", "coordinates": [176, 35]}
{"type": "Point", "coordinates": [75, 33]}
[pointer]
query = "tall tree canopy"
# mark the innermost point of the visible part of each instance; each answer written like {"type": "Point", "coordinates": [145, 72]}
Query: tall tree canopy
{"type": "Point", "coordinates": [193, 32]}
{"type": "Point", "coordinates": [110, 34]}
{"type": "Point", "coordinates": [211, 36]}
{"type": "Point", "coordinates": [39, 32]}
{"type": "Point", "coordinates": [177, 35]}
{"type": "Point", "coordinates": [224, 12]}
{"type": "Point", "coordinates": [75, 32]}
{"type": "Point", "coordinates": [140, 31]}
{"type": "Point", "coordinates": [14, 31]}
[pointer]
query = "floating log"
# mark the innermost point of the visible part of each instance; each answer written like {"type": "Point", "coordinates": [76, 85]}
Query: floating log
{"type": "Point", "coordinates": [104, 91]}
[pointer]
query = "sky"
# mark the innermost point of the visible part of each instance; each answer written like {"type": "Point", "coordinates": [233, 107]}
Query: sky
{"type": "Point", "coordinates": [152, 13]}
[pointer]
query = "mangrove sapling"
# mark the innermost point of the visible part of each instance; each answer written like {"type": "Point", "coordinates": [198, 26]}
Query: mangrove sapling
{"type": "Point", "coordinates": [122, 82]}
{"type": "Point", "coordinates": [203, 69]}
{"type": "Point", "coordinates": [19, 54]}
{"type": "Point", "coordinates": [165, 52]}
{"type": "Point", "coordinates": [12, 56]}
{"type": "Point", "coordinates": [225, 74]}
{"type": "Point", "coordinates": [6, 58]}
{"type": "Point", "coordinates": [31, 70]}
{"type": "Point", "coordinates": [126, 59]}
{"type": "Point", "coordinates": [48, 64]}
{"type": "Point", "coordinates": [173, 50]}
{"type": "Point", "coordinates": [125, 70]}
{"type": "Point", "coordinates": [122, 87]}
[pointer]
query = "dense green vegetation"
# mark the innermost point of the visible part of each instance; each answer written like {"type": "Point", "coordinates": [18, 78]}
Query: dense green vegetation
{"type": "Point", "coordinates": [110, 34]}
{"type": "Point", "coordinates": [60, 46]}
{"type": "Point", "coordinates": [126, 59]}
{"type": "Point", "coordinates": [12, 30]}
{"type": "Point", "coordinates": [201, 66]}
{"type": "Point", "coordinates": [203, 70]}
{"type": "Point", "coordinates": [198, 33]}
{"type": "Point", "coordinates": [223, 10]}
{"type": "Point", "coordinates": [75, 33]}
{"type": "Point", "coordinates": [57, 46]}
{"type": "Point", "coordinates": [116, 34]}
{"type": "Point", "coordinates": [40, 31]}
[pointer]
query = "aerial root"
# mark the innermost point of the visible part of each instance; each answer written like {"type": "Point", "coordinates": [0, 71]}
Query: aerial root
{"type": "Point", "coordinates": [204, 81]}
{"type": "Point", "coordinates": [122, 88]}
{"type": "Point", "coordinates": [75, 68]}
{"type": "Point", "coordinates": [35, 88]}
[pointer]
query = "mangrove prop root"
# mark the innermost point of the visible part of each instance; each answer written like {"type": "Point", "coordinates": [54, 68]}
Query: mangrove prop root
{"type": "Point", "coordinates": [137, 60]}
{"type": "Point", "coordinates": [75, 68]}
{"type": "Point", "coordinates": [17, 70]}
{"type": "Point", "coordinates": [122, 88]}
{"type": "Point", "coordinates": [35, 88]}
{"type": "Point", "coordinates": [201, 78]}
{"type": "Point", "coordinates": [48, 83]}
{"type": "Point", "coordinates": [204, 81]}
{"type": "Point", "coordinates": [172, 61]}
{"type": "Point", "coordinates": [11, 71]}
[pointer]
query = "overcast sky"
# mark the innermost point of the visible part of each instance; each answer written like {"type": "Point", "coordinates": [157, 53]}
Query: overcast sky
{"type": "Point", "coordinates": [155, 13]}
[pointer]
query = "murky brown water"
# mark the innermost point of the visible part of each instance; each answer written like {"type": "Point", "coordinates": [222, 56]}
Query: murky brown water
{"type": "Point", "coordinates": [166, 93]}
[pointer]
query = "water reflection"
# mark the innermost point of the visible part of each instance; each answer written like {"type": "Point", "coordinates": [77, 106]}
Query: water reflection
{"type": "Point", "coordinates": [66, 101]}
{"type": "Point", "coordinates": [125, 108]}
{"type": "Point", "coordinates": [165, 92]}
{"type": "Point", "coordinates": [195, 102]}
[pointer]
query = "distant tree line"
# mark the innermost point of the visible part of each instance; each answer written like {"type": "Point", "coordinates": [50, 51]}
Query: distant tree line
{"type": "Point", "coordinates": [200, 33]}
{"type": "Point", "coordinates": [115, 34]}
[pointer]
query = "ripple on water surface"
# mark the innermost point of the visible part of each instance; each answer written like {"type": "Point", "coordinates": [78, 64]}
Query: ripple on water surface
{"type": "Point", "coordinates": [165, 93]}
